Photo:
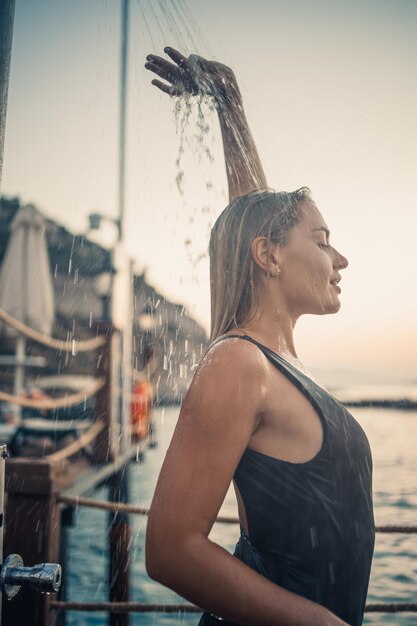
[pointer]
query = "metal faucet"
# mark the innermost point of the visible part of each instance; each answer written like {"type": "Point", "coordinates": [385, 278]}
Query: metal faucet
{"type": "Point", "coordinates": [44, 577]}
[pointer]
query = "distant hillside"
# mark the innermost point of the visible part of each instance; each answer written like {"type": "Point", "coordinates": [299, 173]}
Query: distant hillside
{"type": "Point", "coordinates": [66, 251]}
{"type": "Point", "coordinates": [340, 378]}
{"type": "Point", "coordinates": [76, 262]}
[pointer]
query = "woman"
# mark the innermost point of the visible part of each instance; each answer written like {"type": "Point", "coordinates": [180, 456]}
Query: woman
{"type": "Point", "coordinates": [300, 464]}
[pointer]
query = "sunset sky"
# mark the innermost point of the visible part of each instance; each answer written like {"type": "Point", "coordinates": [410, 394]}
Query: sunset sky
{"type": "Point", "coordinates": [330, 91]}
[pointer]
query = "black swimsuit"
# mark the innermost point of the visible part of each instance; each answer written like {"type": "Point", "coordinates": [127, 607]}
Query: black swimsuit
{"type": "Point", "coordinates": [311, 525]}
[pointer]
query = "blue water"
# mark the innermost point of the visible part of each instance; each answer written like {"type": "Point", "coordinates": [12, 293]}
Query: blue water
{"type": "Point", "coordinates": [393, 438]}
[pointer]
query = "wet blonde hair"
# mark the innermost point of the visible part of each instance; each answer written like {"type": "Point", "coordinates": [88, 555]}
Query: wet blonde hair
{"type": "Point", "coordinates": [267, 214]}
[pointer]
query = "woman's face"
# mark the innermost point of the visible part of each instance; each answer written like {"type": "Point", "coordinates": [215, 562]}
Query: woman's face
{"type": "Point", "coordinates": [310, 267]}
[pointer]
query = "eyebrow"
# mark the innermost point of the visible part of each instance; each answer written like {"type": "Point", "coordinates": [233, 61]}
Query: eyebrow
{"type": "Point", "coordinates": [326, 230]}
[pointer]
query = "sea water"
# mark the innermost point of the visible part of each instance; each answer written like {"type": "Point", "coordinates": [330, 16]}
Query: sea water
{"type": "Point", "coordinates": [393, 438]}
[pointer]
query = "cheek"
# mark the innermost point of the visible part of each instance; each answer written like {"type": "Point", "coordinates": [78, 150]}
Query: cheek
{"type": "Point", "coordinates": [299, 281]}
{"type": "Point", "coordinates": [307, 278]}
{"type": "Point", "coordinates": [310, 267]}
{"type": "Point", "coordinates": [321, 265]}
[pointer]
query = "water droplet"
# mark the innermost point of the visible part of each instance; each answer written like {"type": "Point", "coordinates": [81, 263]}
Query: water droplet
{"type": "Point", "coordinates": [313, 536]}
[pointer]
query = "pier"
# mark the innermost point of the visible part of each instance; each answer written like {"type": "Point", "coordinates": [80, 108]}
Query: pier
{"type": "Point", "coordinates": [36, 511]}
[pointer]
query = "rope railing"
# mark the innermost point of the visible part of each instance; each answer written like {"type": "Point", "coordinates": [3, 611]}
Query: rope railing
{"type": "Point", "coordinates": [50, 342]}
{"type": "Point", "coordinates": [82, 442]}
{"type": "Point", "coordinates": [101, 504]}
{"type": "Point", "coordinates": [396, 529]}
{"type": "Point", "coordinates": [399, 607]}
{"type": "Point", "coordinates": [140, 607]}
{"type": "Point", "coordinates": [223, 519]}
{"type": "Point", "coordinates": [55, 403]}
{"type": "Point", "coordinates": [123, 607]}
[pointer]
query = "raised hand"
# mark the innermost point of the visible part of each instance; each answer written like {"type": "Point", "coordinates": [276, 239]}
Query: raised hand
{"type": "Point", "coordinates": [194, 75]}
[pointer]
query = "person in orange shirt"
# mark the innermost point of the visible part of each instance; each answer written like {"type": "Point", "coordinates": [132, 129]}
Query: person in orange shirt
{"type": "Point", "coordinates": [142, 398]}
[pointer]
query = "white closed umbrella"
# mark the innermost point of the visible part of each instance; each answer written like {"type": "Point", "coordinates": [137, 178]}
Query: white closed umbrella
{"type": "Point", "coordinates": [26, 289]}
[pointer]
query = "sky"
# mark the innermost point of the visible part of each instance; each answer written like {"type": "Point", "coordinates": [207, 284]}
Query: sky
{"type": "Point", "coordinates": [330, 90]}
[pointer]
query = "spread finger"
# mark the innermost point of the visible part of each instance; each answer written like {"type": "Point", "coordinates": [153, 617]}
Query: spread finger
{"type": "Point", "coordinates": [171, 73]}
{"type": "Point", "coordinates": [176, 56]}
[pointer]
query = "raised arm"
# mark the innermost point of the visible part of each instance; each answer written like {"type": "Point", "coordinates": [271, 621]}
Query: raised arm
{"type": "Point", "coordinates": [217, 419]}
{"type": "Point", "coordinates": [197, 75]}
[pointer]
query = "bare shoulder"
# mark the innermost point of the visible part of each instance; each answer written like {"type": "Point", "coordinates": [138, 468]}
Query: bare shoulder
{"type": "Point", "coordinates": [232, 373]}
{"type": "Point", "coordinates": [235, 360]}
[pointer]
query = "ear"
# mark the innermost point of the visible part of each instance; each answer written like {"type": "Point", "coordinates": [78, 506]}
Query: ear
{"type": "Point", "coordinates": [266, 259]}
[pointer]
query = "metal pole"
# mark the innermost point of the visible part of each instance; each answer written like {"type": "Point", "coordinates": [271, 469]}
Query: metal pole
{"type": "Point", "coordinates": [124, 46]}
{"type": "Point", "coordinates": [119, 534]}
{"type": "Point", "coordinates": [6, 35]}
{"type": "Point", "coordinates": [123, 107]}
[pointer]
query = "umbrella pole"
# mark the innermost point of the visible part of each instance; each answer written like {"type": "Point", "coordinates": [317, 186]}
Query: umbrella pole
{"type": "Point", "coordinates": [19, 376]}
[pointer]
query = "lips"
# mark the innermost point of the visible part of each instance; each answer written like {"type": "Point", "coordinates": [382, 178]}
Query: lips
{"type": "Point", "coordinates": [335, 282]}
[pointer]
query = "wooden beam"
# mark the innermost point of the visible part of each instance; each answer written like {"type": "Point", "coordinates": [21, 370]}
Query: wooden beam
{"type": "Point", "coordinates": [106, 446]}
{"type": "Point", "coordinates": [87, 481]}
{"type": "Point", "coordinates": [32, 530]}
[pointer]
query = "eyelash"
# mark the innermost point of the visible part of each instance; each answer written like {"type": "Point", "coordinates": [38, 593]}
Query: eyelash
{"type": "Point", "coordinates": [323, 245]}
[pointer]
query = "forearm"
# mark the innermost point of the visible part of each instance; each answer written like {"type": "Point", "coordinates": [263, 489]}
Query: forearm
{"type": "Point", "coordinates": [243, 166]}
{"type": "Point", "coordinates": [210, 577]}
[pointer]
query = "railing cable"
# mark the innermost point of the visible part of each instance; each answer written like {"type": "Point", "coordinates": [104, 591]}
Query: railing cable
{"type": "Point", "coordinates": [137, 510]}
{"type": "Point", "coordinates": [139, 607]}
{"type": "Point", "coordinates": [55, 403]}
{"type": "Point", "coordinates": [66, 346]}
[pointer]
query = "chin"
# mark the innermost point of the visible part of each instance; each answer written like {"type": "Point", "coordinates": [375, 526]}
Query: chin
{"type": "Point", "coordinates": [329, 308]}
{"type": "Point", "coordinates": [335, 308]}
{"type": "Point", "coordinates": [327, 305]}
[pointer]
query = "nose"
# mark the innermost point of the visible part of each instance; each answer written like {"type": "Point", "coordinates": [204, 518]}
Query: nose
{"type": "Point", "coordinates": [340, 262]}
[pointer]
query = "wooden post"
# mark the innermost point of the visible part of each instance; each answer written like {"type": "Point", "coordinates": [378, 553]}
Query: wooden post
{"type": "Point", "coordinates": [67, 521]}
{"type": "Point", "coordinates": [106, 444]}
{"type": "Point", "coordinates": [32, 530]}
{"type": "Point", "coordinates": [119, 540]}
{"type": "Point", "coordinates": [3, 457]}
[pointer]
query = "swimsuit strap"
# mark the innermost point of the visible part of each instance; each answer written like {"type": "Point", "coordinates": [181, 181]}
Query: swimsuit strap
{"type": "Point", "coordinates": [278, 360]}
{"type": "Point", "coordinates": [308, 387]}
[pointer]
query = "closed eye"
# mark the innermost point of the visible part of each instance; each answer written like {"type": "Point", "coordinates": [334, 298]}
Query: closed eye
{"type": "Point", "coordinates": [323, 245]}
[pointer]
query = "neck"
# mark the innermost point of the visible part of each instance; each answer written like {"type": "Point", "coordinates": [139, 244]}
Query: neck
{"type": "Point", "coordinates": [274, 329]}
